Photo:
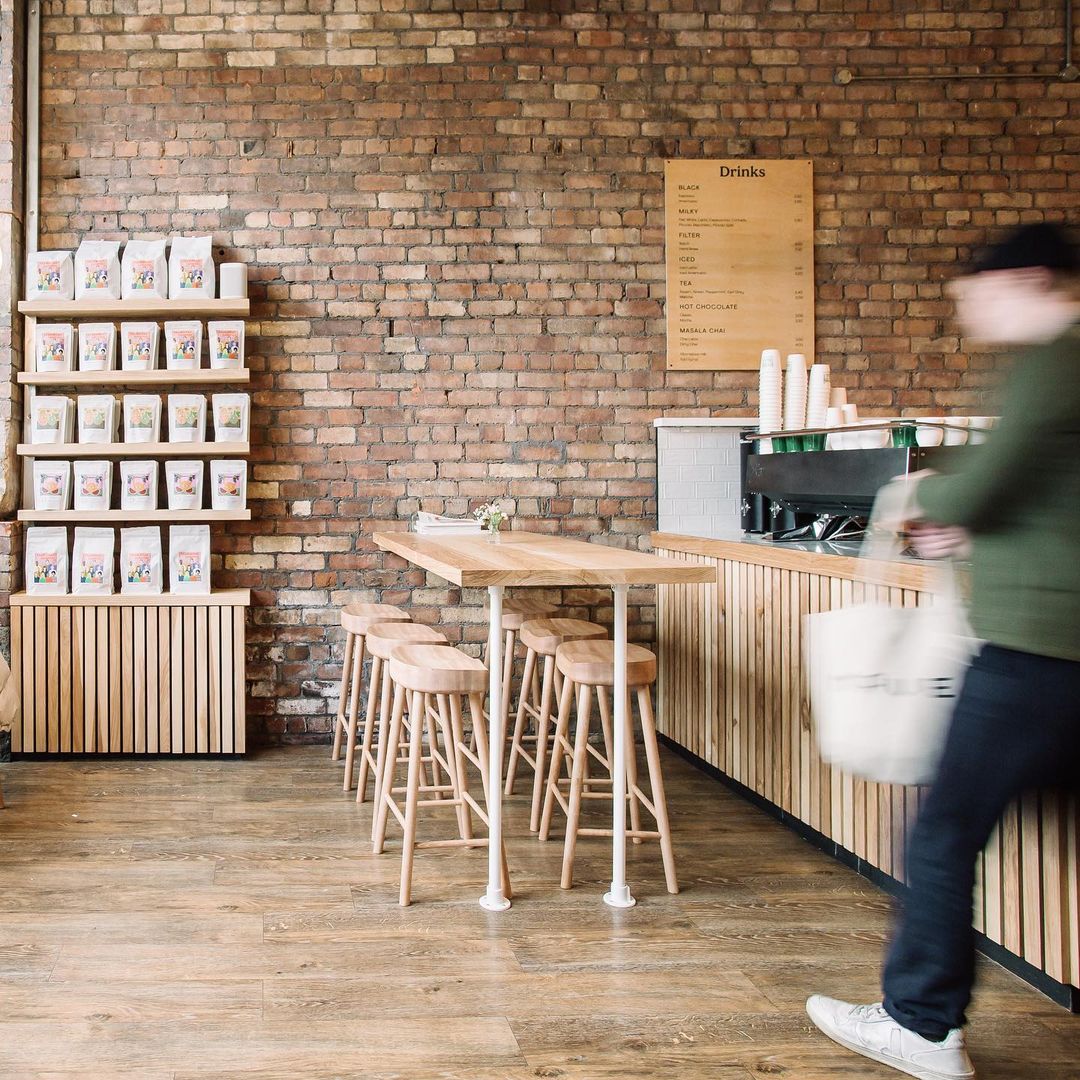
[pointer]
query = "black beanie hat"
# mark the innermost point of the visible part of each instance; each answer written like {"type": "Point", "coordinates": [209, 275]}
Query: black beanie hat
{"type": "Point", "coordinates": [1042, 245]}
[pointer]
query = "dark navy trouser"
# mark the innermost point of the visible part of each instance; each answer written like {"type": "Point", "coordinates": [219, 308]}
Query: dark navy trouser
{"type": "Point", "coordinates": [1016, 726]}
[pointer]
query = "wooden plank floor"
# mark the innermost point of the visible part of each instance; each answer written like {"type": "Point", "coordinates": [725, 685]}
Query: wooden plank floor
{"type": "Point", "coordinates": [201, 920]}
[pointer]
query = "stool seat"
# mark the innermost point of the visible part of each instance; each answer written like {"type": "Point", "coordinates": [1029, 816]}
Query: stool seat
{"type": "Point", "coordinates": [383, 638]}
{"type": "Point", "coordinates": [437, 669]}
{"type": "Point", "coordinates": [544, 636]}
{"type": "Point", "coordinates": [519, 609]}
{"type": "Point", "coordinates": [358, 618]}
{"type": "Point", "coordinates": [592, 663]}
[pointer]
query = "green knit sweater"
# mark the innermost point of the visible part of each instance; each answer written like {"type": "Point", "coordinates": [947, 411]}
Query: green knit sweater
{"type": "Point", "coordinates": [1019, 496]}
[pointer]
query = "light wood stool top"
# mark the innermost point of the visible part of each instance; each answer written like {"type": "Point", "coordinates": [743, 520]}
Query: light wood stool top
{"type": "Point", "coordinates": [437, 669]}
{"type": "Point", "coordinates": [592, 663]}
{"type": "Point", "coordinates": [519, 609]}
{"type": "Point", "coordinates": [544, 636]}
{"type": "Point", "coordinates": [383, 638]}
{"type": "Point", "coordinates": [357, 618]}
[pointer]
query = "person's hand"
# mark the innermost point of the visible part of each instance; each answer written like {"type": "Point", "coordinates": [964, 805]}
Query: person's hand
{"type": "Point", "coordinates": [932, 541]}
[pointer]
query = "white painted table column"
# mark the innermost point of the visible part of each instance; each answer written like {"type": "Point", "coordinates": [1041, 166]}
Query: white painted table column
{"type": "Point", "coordinates": [495, 899]}
{"type": "Point", "coordinates": [619, 894]}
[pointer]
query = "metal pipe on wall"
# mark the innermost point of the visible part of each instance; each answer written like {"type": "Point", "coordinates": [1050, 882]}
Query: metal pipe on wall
{"type": "Point", "coordinates": [33, 126]}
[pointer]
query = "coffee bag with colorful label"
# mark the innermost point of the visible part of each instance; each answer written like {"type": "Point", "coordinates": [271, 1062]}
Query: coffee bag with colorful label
{"type": "Point", "coordinates": [97, 346]}
{"type": "Point", "coordinates": [51, 419]}
{"type": "Point", "coordinates": [97, 270]}
{"type": "Point", "coordinates": [139, 346]}
{"type": "Point", "coordinates": [184, 484]}
{"type": "Point", "coordinates": [93, 484]}
{"type": "Point", "coordinates": [187, 418]}
{"type": "Point", "coordinates": [140, 560]}
{"type": "Point", "coordinates": [226, 344]}
{"type": "Point", "coordinates": [144, 271]}
{"type": "Point", "coordinates": [183, 345]}
{"type": "Point", "coordinates": [231, 417]}
{"type": "Point", "coordinates": [53, 347]}
{"type": "Point", "coordinates": [92, 561]}
{"type": "Point", "coordinates": [138, 485]}
{"type": "Point", "coordinates": [52, 484]}
{"type": "Point", "coordinates": [189, 558]}
{"type": "Point", "coordinates": [99, 418]}
{"type": "Point", "coordinates": [142, 418]}
{"type": "Point", "coordinates": [228, 485]}
{"type": "Point", "coordinates": [46, 561]}
{"type": "Point", "coordinates": [191, 268]}
{"type": "Point", "coordinates": [50, 275]}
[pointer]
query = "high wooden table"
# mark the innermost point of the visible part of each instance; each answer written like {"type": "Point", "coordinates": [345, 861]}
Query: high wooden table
{"type": "Point", "coordinates": [522, 559]}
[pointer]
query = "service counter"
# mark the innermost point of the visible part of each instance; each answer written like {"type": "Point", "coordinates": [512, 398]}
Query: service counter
{"type": "Point", "coordinates": [732, 692]}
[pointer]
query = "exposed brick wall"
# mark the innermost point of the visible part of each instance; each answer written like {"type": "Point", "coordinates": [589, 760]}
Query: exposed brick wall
{"type": "Point", "coordinates": [452, 213]}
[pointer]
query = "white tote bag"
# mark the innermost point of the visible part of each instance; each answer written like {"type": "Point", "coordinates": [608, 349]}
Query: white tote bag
{"type": "Point", "coordinates": [884, 680]}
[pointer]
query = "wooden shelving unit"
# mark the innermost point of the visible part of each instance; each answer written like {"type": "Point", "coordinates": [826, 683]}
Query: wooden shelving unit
{"type": "Point", "coordinates": [125, 673]}
{"type": "Point", "coordinates": [133, 450]}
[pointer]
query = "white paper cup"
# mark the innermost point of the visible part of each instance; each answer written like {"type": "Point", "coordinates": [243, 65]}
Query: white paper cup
{"type": "Point", "coordinates": [850, 414]}
{"type": "Point", "coordinates": [928, 435]}
{"type": "Point", "coordinates": [954, 437]}
{"type": "Point", "coordinates": [770, 359]}
{"type": "Point", "coordinates": [979, 428]}
{"type": "Point", "coordinates": [837, 396]}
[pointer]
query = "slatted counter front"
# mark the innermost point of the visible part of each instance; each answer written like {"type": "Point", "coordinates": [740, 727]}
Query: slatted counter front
{"type": "Point", "coordinates": [129, 674]}
{"type": "Point", "coordinates": [732, 689]}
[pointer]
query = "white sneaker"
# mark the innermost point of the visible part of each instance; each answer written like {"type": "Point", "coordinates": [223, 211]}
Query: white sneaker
{"type": "Point", "coordinates": [869, 1030]}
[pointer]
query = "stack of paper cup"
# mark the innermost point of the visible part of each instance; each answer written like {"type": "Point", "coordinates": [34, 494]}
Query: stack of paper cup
{"type": "Point", "coordinates": [770, 382]}
{"type": "Point", "coordinates": [795, 393]}
{"type": "Point", "coordinates": [817, 397]}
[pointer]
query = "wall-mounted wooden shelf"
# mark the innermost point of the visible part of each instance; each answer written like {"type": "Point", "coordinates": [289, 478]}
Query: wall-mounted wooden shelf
{"type": "Point", "coordinates": [178, 450]}
{"type": "Point", "coordinates": [219, 598]}
{"type": "Point", "coordinates": [156, 377]}
{"type": "Point", "coordinates": [63, 517]}
{"type": "Point", "coordinates": [130, 309]}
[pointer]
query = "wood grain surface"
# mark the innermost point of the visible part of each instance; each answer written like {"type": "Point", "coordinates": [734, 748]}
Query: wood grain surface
{"type": "Point", "coordinates": [204, 919]}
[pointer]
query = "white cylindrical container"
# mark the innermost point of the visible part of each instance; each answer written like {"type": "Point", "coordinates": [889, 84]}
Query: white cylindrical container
{"type": "Point", "coordinates": [232, 281]}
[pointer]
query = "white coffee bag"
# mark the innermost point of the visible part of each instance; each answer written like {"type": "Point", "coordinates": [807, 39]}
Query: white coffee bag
{"type": "Point", "coordinates": [52, 484]}
{"type": "Point", "coordinates": [139, 346]}
{"type": "Point", "coordinates": [140, 560]}
{"type": "Point", "coordinates": [231, 417]}
{"type": "Point", "coordinates": [50, 275]}
{"type": "Point", "coordinates": [189, 558]}
{"type": "Point", "coordinates": [138, 485]}
{"type": "Point", "coordinates": [187, 418]}
{"type": "Point", "coordinates": [92, 561]}
{"type": "Point", "coordinates": [142, 418]}
{"type": "Point", "coordinates": [97, 346]}
{"type": "Point", "coordinates": [97, 270]}
{"type": "Point", "coordinates": [228, 485]}
{"type": "Point", "coordinates": [99, 418]}
{"type": "Point", "coordinates": [93, 484]}
{"type": "Point", "coordinates": [183, 345]}
{"type": "Point", "coordinates": [53, 347]}
{"type": "Point", "coordinates": [184, 484]}
{"type": "Point", "coordinates": [191, 268]}
{"type": "Point", "coordinates": [226, 344]}
{"type": "Point", "coordinates": [46, 565]}
{"type": "Point", "coordinates": [51, 419]}
{"type": "Point", "coordinates": [144, 271]}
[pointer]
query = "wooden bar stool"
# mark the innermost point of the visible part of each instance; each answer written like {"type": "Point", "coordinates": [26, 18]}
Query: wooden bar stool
{"type": "Point", "coordinates": [355, 620]}
{"type": "Point", "coordinates": [382, 639]}
{"type": "Point", "coordinates": [541, 638]}
{"type": "Point", "coordinates": [585, 666]}
{"type": "Point", "coordinates": [435, 679]}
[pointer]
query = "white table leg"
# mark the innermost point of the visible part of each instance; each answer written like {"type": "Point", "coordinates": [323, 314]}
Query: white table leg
{"type": "Point", "coordinates": [619, 895]}
{"type": "Point", "coordinates": [495, 899]}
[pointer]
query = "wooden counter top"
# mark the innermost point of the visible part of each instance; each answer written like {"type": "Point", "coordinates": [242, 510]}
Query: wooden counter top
{"type": "Point", "coordinates": [898, 575]}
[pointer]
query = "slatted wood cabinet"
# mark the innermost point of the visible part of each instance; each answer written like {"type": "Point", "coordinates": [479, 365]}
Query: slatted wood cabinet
{"type": "Point", "coordinates": [732, 689]}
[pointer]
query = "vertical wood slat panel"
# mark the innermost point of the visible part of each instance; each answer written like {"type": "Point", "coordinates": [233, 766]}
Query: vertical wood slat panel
{"type": "Point", "coordinates": [78, 679]}
{"type": "Point", "coordinates": [17, 677]}
{"type": "Point", "coordinates": [138, 653]}
{"type": "Point", "coordinates": [126, 631]}
{"type": "Point", "coordinates": [63, 712]}
{"type": "Point", "coordinates": [90, 679]}
{"type": "Point", "coordinates": [51, 668]}
{"type": "Point", "coordinates": [239, 667]}
{"type": "Point", "coordinates": [164, 628]}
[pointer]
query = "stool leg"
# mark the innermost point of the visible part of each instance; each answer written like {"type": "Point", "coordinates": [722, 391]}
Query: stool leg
{"type": "Point", "coordinates": [429, 724]}
{"type": "Point", "coordinates": [457, 773]}
{"type": "Point", "coordinates": [456, 745]}
{"type": "Point", "coordinates": [378, 675]}
{"type": "Point", "coordinates": [412, 795]}
{"type": "Point", "coordinates": [519, 724]}
{"type": "Point", "coordinates": [476, 710]}
{"type": "Point", "coordinates": [339, 720]}
{"type": "Point", "coordinates": [509, 648]}
{"type": "Point", "coordinates": [557, 752]}
{"type": "Point", "coordinates": [581, 742]}
{"type": "Point", "coordinates": [656, 782]}
{"type": "Point", "coordinates": [631, 762]}
{"type": "Point", "coordinates": [354, 711]}
{"type": "Point", "coordinates": [383, 745]}
{"type": "Point", "coordinates": [541, 741]}
{"type": "Point", "coordinates": [385, 786]}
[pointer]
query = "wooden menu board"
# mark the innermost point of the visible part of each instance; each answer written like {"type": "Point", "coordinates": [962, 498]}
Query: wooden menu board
{"type": "Point", "coordinates": [740, 261]}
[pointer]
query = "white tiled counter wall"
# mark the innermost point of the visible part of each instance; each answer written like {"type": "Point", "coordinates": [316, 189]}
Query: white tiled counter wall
{"type": "Point", "coordinates": [698, 483]}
